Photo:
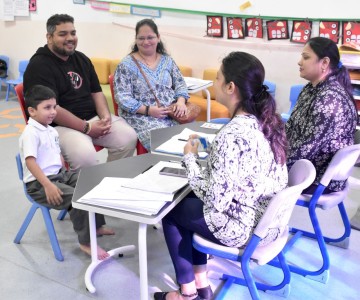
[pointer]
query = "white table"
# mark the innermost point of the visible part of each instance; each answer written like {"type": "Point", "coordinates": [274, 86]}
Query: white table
{"type": "Point", "coordinates": [196, 85]}
{"type": "Point", "coordinates": [128, 167]}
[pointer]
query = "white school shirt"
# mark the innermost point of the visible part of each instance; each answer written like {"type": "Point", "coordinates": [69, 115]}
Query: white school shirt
{"type": "Point", "coordinates": [42, 143]}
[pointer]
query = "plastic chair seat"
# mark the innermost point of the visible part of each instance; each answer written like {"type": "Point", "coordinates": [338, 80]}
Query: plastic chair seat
{"type": "Point", "coordinates": [261, 255]}
{"type": "Point", "coordinates": [327, 201]}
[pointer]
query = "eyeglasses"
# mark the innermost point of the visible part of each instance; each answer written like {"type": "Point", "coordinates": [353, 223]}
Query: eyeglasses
{"type": "Point", "coordinates": [149, 38]}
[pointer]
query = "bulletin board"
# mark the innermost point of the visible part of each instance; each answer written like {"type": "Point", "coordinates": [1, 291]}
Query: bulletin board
{"type": "Point", "coordinates": [320, 9]}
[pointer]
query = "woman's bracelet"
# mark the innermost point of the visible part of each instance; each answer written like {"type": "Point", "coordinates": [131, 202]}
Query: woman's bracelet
{"type": "Point", "coordinates": [147, 107]}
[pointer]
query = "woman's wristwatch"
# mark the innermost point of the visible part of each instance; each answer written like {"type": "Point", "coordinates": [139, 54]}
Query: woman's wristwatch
{"type": "Point", "coordinates": [147, 107]}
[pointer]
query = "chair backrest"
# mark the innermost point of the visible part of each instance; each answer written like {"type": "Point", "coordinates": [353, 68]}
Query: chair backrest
{"type": "Point", "coordinates": [19, 88]}
{"type": "Point", "coordinates": [271, 86]}
{"type": "Point", "coordinates": [21, 175]}
{"type": "Point", "coordinates": [279, 210]}
{"type": "Point", "coordinates": [294, 95]}
{"type": "Point", "coordinates": [22, 67]}
{"type": "Point", "coordinates": [116, 106]}
{"type": "Point", "coordinates": [341, 164]}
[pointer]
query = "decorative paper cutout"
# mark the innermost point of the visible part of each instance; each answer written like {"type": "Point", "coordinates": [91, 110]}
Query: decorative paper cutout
{"type": "Point", "coordinates": [245, 5]}
{"type": "Point", "coordinates": [330, 30]}
{"type": "Point", "coordinates": [254, 28]}
{"type": "Point", "coordinates": [235, 28]}
{"type": "Point", "coordinates": [32, 5]}
{"type": "Point", "coordinates": [214, 26]}
{"type": "Point", "coordinates": [301, 31]}
{"type": "Point", "coordinates": [277, 30]}
{"type": "Point", "coordinates": [351, 32]}
{"type": "Point", "coordinates": [144, 11]}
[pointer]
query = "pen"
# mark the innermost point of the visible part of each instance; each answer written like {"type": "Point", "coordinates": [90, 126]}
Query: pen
{"type": "Point", "coordinates": [183, 140]}
{"type": "Point", "coordinates": [175, 161]}
{"type": "Point", "coordinates": [147, 169]}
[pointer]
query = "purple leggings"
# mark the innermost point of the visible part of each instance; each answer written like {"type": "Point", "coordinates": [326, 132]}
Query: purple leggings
{"type": "Point", "coordinates": [179, 225]}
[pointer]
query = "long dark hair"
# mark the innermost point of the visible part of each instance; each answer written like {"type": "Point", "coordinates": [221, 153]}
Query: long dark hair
{"type": "Point", "coordinates": [248, 74]}
{"type": "Point", "coordinates": [324, 47]}
{"type": "Point", "coordinates": [149, 22]}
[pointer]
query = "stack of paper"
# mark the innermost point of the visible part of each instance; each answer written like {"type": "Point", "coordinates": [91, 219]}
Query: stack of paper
{"type": "Point", "coordinates": [175, 145]}
{"type": "Point", "coordinates": [147, 193]}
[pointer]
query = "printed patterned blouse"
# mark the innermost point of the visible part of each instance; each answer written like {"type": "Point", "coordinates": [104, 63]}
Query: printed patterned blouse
{"type": "Point", "coordinates": [131, 91]}
{"type": "Point", "coordinates": [322, 122]}
{"type": "Point", "coordinates": [240, 178]}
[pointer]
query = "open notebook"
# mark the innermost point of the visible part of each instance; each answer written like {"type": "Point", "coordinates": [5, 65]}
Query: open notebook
{"type": "Point", "coordinates": [175, 145]}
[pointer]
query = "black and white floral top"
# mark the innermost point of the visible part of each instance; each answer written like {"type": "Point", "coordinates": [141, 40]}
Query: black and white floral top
{"type": "Point", "coordinates": [240, 178]}
{"type": "Point", "coordinates": [322, 122]}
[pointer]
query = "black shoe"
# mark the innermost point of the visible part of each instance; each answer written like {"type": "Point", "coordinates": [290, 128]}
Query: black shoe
{"type": "Point", "coordinates": [205, 293]}
{"type": "Point", "coordinates": [162, 296]}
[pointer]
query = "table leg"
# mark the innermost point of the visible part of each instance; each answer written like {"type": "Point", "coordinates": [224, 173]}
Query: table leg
{"type": "Point", "coordinates": [144, 295]}
{"type": "Point", "coordinates": [208, 108]}
{"type": "Point", "coordinates": [94, 258]}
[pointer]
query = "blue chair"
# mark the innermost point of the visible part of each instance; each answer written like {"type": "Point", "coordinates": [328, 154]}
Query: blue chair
{"type": "Point", "coordinates": [294, 95]}
{"type": "Point", "coordinates": [46, 215]}
{"type": "Point", "coordinates": [277, 215]}
{"type": "Point", "coordinates": [339, 168]}
{"type": "Point", "coordinates": [271, 86]}
{"type": "Point", "coordinates": [11, 83]}
{"type": "Point", "coordinates": [3, 79]}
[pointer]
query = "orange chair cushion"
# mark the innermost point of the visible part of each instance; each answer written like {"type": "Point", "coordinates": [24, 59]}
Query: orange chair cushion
{"type": "Point", "coordinates": [185, 71]}
{"type": "Point", "coordinates": [102, 69]}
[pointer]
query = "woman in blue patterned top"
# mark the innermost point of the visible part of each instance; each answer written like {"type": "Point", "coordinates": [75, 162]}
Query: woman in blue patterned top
{"type": "Point", "coordinates": [137, 104]}
{"type": "Point", "coordinates": [324, 118]}
{"type": "Point", "coordinates": [245, 168]}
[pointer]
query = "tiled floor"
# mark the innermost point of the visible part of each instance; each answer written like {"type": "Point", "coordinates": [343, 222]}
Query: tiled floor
{"type": "Point", "coordinates": [30, 271]}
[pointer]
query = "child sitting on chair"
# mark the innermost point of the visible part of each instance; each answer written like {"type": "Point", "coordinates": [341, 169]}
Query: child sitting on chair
{"type": "Point", "coordinates": [46, 179]}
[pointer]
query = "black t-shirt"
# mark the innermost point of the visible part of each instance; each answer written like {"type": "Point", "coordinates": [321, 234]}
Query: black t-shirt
{"type": "Point", "coordinates": [73, 80]}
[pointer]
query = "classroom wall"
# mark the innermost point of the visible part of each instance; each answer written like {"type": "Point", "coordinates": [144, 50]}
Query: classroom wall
{"type": "Point", "coordinates": [105, 34]}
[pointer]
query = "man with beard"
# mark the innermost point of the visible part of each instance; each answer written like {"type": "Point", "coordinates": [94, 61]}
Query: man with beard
{"type": "Point", "coordinates": [83, 117]}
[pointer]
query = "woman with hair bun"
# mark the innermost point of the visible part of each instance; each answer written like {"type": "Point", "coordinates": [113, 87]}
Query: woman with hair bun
{"type": "Point", "coordinates": [245, 168]}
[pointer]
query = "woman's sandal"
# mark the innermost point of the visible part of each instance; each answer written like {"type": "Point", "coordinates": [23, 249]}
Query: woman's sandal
{"type": "Point", "coordinates": [162, 295]}
{"type": "Point", "coordinates": [205, 293]}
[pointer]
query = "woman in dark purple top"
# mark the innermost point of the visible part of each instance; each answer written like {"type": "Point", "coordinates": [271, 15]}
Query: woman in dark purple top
{"type": "Point", "coordinates": [325, 116]}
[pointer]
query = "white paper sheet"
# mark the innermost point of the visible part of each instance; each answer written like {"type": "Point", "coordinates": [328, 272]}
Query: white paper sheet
{"type": "Point", "coordinates": [152, 181]}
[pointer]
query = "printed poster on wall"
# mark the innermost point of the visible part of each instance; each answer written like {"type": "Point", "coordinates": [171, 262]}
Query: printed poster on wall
{"type": "Point", "coordinates": [235, 28]}
{"type": "Point", "coordinates": [277, 30]}
{"type": "Point", "coordinates": [214, 26]}
{"type": "Point", "coordinates": [351, 32]}
{"type": "Point", "coordinates": [330, 30]}
{"type": "Point", "coordinates": [254, 28]}
{"type": "Point", "coordinates": [301, 31]}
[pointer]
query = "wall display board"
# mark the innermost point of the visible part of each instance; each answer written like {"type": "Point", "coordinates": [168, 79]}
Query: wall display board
{"type": "Point", "coordinates": [261, 8]}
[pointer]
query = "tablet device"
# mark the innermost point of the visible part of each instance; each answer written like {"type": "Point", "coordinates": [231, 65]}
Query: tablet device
{"type": "Point", "coordinates": [173, 172]}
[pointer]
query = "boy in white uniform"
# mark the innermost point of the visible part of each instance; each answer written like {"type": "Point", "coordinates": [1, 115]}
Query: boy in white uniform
{"type": "Point", "coordinates": [47, 181]}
